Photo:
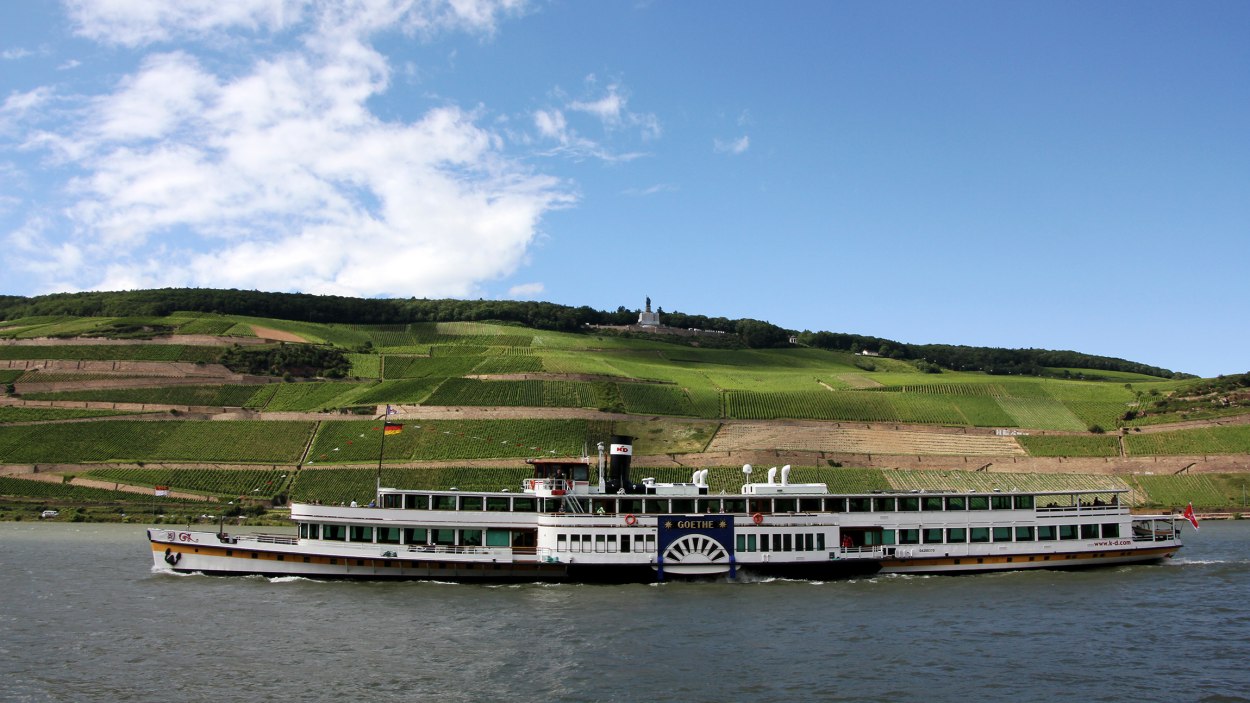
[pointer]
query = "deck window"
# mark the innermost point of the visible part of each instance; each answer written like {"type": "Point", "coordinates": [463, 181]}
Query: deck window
{"type": "Point", "coordinates": [1067, 532]}
{"type": "Point", "coordinates": [303, 530]}
{"type": "Point", "coordinates": [888, 537]}
{"type": "Point", "coordinates": [1024, 502]}
{"type": "Point", "coordinates": [337, 533]}
{"type": "Point", "coordinates": [415, 535]}
{"type": "Point", "coordinates": [1046, 532]}
{"type": "Point", "coordinates": [820, 541]}
{"type": "Point", "coordinates": [361, 533]}
{"type": "Point", "coordinates": [416, 502]}
{"type": "Point", "coordinates": [909, 536]}
{"type": "Point", "coordinates": [706, 506]}
{"type": "Point", "coordinates": [601, 543]}
{"type": "Point", "coordinates": [741, 540]}
{"type": "Point", "coordinates": [735, 505]}
{"type": "Point", "coordinates": [909, 504]}
{"type": "Point", "coordinates": [683, 505]}
{"type": "Point", "coordinates": [1000, 502]}
{"type": "Point", "coordinates": [655, 506]}
{"type": "Point", "coordinates": [785, 505]}
{"type": "Point", "coordinates": [523, 505]}
{"type": "Point", "coordinates": [956, 503]}
{"type": "Point", "coordinates": [979, 534]}
{"type": "Point", "coordinates": [765, 543]}
{"type": "Point", "coordinates": [444, 502]}
{"type": "Point", "coordinates": [835, 505]}
{"type": "Point", "coordinates": [625, 544]}
{"type": "Point", "coordinates": [446, 538]}
{"type": "Point", "coordinates": [1024, 533]}
{"type": "Point", "coordinates": [932, 503]}
{"type": "Point", "coordinates": [393, 500]}
{"type": "Point", "coordinates": [1002, 534]}
{"type": "Point", "coordinates": [777, 543]}
{"type": "Point", "coordinates": [860, 505]}
{"type": "Point", "coordinates": [470, 502]}
{"type": "Point", "coordinates": [314, 531]}
{"type": "Point", "coordinates": [760, 505]}
{"type": "Point", "coordinates": [978, 502]}
{"type": "Point", "coordinates": [650, 543]}
{"type": "Point", "coordinates": [562, 543]}
{"type": "Point", "coordinates": [751, 543]}
{"type": "Point", "coordinates": [471, 538]}
{"type": "Point", "coordinates": [1089, 531]}
{"type": "Point", "coordinates": [388, 535]}
{"type": "Point", "coordinates": [552, 505]}
{"type": "Point", "coordinates": [1110, 530]}
{"type": "Point", "coordinates": [886, 505]}
{"type": "Point", "coordinates": [809, 505]}
{"type": "Point", "coordinates": [497, 505]}
{"type": "Point", "coordinates": [933, 535]}
{"type": "Point", "coordinates": [631, 505]}
{"type": "Point", "coordinates": [957, 535]}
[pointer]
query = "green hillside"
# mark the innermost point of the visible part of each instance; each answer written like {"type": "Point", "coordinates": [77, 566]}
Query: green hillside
{"type": "Point", "coordinates": [127, 393]}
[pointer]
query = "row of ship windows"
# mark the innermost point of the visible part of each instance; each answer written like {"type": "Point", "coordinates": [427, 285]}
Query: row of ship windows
{"type": "Point", "coordinates": [746, 542]}
{"type": "Point", "coordinates": [781, 542]}
{"type": "Point", "coordinates": [1019, 533]}
{"type": "Point", "coordinates": [416, 535]}
{"type": "Point", "coordinates": [664, 506]}
{"type": "Point", "coordinates": [605, 543]}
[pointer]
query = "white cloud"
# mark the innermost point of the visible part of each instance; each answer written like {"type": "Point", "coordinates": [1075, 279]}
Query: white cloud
{"type": "Point", "coordinates": [138, 22]}
{"type": "Point", "coordinates": [735, 147]}
{"type": "Point", "coordinates": [278, 176]}
{"type": "Point", "coordinates": [652, 190]}
{"type": "Point", "coordinates": [611, 113]}
{"type": "Point", "coordinates": [526, 290]}
{"type": "Point", "coordinates": [13, 54]}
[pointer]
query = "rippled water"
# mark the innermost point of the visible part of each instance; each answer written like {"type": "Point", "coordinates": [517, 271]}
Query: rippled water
{"type": "Point", "coordinates": [84, 618]}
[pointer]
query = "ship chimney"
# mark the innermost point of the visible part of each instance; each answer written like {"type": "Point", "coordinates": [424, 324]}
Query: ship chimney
{"type": "Point", "coordinates": [620, 453]}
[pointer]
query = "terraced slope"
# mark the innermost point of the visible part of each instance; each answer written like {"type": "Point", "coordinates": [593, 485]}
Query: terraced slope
{"type": "Point", "coordinates": [817, 438]}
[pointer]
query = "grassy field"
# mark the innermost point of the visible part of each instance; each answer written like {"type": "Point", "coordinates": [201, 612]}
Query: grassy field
{"type": "Point", "coordinates": [240, 442]}
{"type": "Point", "coordinates": [360, 441]}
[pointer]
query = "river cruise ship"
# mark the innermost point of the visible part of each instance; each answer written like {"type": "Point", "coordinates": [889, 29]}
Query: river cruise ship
{"type": "Point", "coordinates": [561, 527]}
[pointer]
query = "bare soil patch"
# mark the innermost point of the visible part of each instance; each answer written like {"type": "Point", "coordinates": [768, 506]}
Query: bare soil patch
{"type": "Point", "coordinates": [276, 335]}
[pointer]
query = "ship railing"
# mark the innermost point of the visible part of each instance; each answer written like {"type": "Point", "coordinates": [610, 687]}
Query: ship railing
{"type": "Point", "coordinates": [1056, 510]}
{"type": "Point", "coordinates": [548, 484]}
{"type": "Point", "coordinates": [865, 552]}
{"type": "Point", "coordinates": [265, 539]}
{"type": "Point", "coordinates": [457, 549]}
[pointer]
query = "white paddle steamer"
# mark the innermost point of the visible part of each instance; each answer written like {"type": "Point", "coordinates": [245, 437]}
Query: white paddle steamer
{"type": "Point", "coordinates": [560, 527]}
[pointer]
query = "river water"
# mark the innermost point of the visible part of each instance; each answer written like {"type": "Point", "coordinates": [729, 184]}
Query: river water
{"type": "Point", "coordinates": [85, 618]}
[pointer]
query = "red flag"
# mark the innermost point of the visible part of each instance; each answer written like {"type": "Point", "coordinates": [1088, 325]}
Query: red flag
{"type": "Point", "coordinates": [1189, 515]}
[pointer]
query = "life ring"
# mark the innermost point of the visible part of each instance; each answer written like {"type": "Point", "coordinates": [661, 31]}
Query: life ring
{"type": "Point", "coordinates": [758, 518]}
{"type": "Point", "coordinates": [631, 520]}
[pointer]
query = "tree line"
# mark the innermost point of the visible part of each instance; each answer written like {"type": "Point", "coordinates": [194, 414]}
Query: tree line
{"type": "Point", "coordinates": [756, 334]}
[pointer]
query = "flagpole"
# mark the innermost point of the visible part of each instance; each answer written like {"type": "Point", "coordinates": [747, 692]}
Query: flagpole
{"type": "Point", "coordinates": [377, 496]}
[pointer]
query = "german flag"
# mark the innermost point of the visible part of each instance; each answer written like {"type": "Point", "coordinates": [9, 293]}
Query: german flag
{"type": "Point", "coordinates": [392, 428]}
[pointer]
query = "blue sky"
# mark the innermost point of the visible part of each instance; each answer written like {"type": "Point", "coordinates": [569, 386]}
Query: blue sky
{"type": "Point", "coordinates": [1063, 175]}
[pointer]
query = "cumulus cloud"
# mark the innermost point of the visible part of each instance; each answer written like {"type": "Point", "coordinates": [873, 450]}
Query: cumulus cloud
{"type": "Point", "coordinates": [276, 174]}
